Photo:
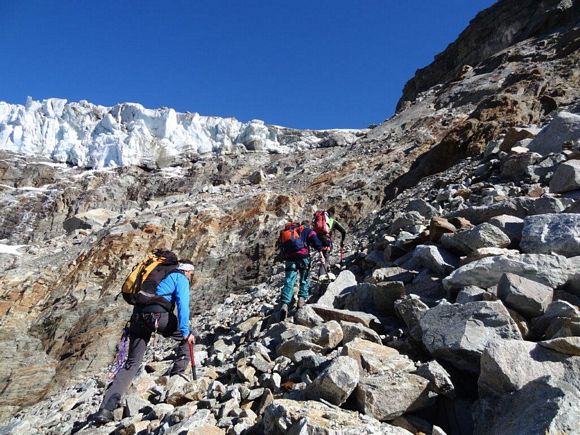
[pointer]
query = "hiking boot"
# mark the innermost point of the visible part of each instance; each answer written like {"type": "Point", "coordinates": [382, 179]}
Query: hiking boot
{"type": "Point", "coordinates": [301, 303]}
{"type": "Point", "coordinates": [283, 312]}
{"type": "Point", "coordinates": [102, 416]}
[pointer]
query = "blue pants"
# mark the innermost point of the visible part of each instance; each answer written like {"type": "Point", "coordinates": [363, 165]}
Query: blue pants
{"type": "Point", "coordinates": [293, 267]}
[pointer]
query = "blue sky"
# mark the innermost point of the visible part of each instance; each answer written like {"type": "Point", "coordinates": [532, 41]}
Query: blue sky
{"type": "Point", "coordinates": [303, 64]}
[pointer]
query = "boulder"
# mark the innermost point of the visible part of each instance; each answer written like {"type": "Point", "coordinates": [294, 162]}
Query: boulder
{"type": "Point", "coordinates": [527, 297]}
{"type": "Point", "coordinates": [344, 283]}
{"type": "Point", "coordinates": [512, 226]}
{"type": "Point", "coordinates": [378, 298]}
{"type": "Point", "coordinates": [351, 331]}
{"type": "Point", "coordinates": [439, 378]}
{"type": "Point", "coordinates": [436, 259]}
{"type": "Point", "coordinates": [459, 333]}
{"type": "Point", "coordinates": [422, 207]}
{"type": "Point", "coordinates": [566, 178]}
{"type": "Point", "coordinates": [428, 287]}
{"type": "Point", "coordinates": [565, 345]}
{"type": "Point", "coordinates": [391, 274]}
{"type": "Point", "coordinates": [327, 314]}
{"type": "Point", "coordinates": [557, 313]}
{"type": "Point", "coordinates": [516, 166]}
{"type": "Point", "coordinates": [542, 406]}
{"type": "Point", "coordinates": [552, 233]}
{"type": "Point", "coordinates": [482, 236]}
{"type": "Point", "coordinates": [411, 309]}
{"type": "Point", "coordinates": [335, 383]}
{"type": "Point", "coordinates": [320, 339]}
{"type": "Point", "coordinates": [376, 358]}
{"type": "Point", "coordinates": [392, 394]}
{"type": "Point", "coordinates": [306, 316]}
{"type": "Point", "coordinates": [412, 222]}
{"type": "Point", "coordinates": [551, 270]}
{"type": "Point", "coordinates": [564, 128]}
{"type": "Point", "coordinates": [508, 365]}
{"type": "Point", "coordinates": [471, 293]}
{"type": "Point", "coordinates": [439, 226]}
{"type": "Point", "coordinates": [514, 135]}
{"type": "Point", "coordinates": [310, 417]}
{"type": "Point", "coordinates": [480, 253]}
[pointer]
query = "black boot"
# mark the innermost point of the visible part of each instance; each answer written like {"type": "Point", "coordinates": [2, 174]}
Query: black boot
{"type": "Point", "coordinates": [102, 416]}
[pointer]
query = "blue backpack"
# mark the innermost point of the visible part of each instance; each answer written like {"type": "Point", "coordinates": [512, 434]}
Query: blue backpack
{"type": "Point", "coordinates": [292, 238]}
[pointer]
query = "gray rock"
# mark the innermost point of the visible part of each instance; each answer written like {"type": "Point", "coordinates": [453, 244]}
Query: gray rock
{"type": "Point", "coordinates": [311, 417]}
{"type": "Point", "coordinates": [512, 226]}
{"type": "Point", "coordinates": [516, 166]}
{"type": "Point", "coordinates": [335, 383]}
{"type": "Point", "coordinates": [459, 333]}
{"type": "Point", "coordinates": [527, 297]}
{"type": "Point", "coordinates": [551, 270]}
{"type": "Point", "coordinates": [375, 358]}
{"type": "Point", "coordinates": [378, 298]}
{"type": "Point", "coordinates": [427, 287]}
{"type": "Point", "coordinates": [344, 283]}
{"type": "Point", "coordinates": [566, 177]}
{"type": "Point", "coordinates": [411, 309]}
{"type": "Point", "coordinates": [439, 378]}
{"type": "Point", "coordinates": [356, 330]}
{"type": "Point", "coordinates": [564, 128]}
{"type": "Point", "coordinates": [545, 405]}
{"type": "Point", "coordinates": [201, 418]}
{"type": "Point", "coordinates": [566, 345]}
{"type": "Point", "coordinates": [133, 404]}
{"type": "Point", "coordinates": [556, 312]}
{"type": "Point", "coordinates": [508, 365]}
{"type": "Point", "coordinates": [391, 274]}
{"type": "Point", "coordinates": [547, 233]}
{"type": "Point", "coordinates": [422, 207]}
{"type": "Point", "coordinates": [470, 293]}
{"type": "Point", "coordinates": [306, 316]}
{"type": "Point", "coordinates": [327, 314]}
{"type": "Point", "coordinates": [482, 236]}
{"type": "Point", "coordinates": [436, 259]}
{"type": "Point", "coordinates": [412, 222]}
{"type": "Point", "coordinates": [322, 338]}
{"type": "Point", "coordinates": [392, 394]}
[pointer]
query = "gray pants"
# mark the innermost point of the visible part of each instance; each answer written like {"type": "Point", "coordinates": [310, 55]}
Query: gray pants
{"type": "Point", "coordinates": [141, 327]}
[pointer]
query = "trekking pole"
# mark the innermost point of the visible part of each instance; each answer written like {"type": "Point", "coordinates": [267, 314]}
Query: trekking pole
{"type": "Point", "coordinates": [192, 358]}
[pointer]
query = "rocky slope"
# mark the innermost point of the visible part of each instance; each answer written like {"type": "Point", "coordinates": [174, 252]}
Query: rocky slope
{"type": "Point", "coordinates": [451, 315]}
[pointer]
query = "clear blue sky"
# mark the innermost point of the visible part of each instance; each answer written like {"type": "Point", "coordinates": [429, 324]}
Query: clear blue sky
{"type": "Point", "coordinates": [303, 64]}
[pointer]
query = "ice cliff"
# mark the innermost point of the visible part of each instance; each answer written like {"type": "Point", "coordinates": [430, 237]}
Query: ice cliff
{"type": "Point", "coordinates": [88, 135]}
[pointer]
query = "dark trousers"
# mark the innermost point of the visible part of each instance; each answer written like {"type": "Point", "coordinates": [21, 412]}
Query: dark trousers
{"type": "Point", "coordinates": [141, 327]}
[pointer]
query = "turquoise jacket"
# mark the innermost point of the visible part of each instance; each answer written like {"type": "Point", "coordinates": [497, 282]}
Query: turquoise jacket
{"type": "Point", "coordinates": [175, 288]}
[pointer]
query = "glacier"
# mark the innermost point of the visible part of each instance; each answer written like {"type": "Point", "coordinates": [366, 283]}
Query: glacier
{"type": "Point", "coordinates": [93, 136]}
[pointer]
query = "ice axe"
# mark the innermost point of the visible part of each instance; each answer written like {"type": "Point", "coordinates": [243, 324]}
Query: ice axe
{"type": "Point", "coordinates": [192, 358]}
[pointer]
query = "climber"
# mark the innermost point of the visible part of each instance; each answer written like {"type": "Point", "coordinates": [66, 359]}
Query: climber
{"type": "Point", "coordinates": [325, 225]}
{"type": "Point", "coordinates": [295, 241]}
{"type": "Point", "coordinates": [149, 319]}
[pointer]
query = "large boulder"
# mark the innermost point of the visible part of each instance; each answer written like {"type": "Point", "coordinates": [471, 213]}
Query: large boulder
{"type": "Point", "coordinates": [459, 333]}
{"type": "Point", "coordinates": [527, 297]}
{"type": "Point", "coordinates": [378, 298]}
{"type": "Point", "coordinates": [411, 309]}
{"type": "Point", "coordinates": [482, 236]}
{"type": "Point", "coordinates": [508, 365]}
{"type": "Point", "coordinates": [566, 177]}
{"type": "Point", "coordinates": [344, 283]}
{"type": "Point", "coordinates": [512, 226]}
{"type": "Point", "coordinates": [363, 318]}
{"type": "Point", "coordinates": [352, 330]}
{"type": "Point", "coordinates": [564, 128]}
{"type": "Point", "coordinates": [321, 338]}
{"type": "Point", "coordinates": [552, 233]}
{"type": "Point", "coordinates": [311, 417]}
{"type": "Point", "coordinates": [392, 394]}
{"type": "Point", "coordinates": [551, 270]}
{"type": "Point", "coordinates": [542, 406]}
{"type": "Point", "coordinates": [436, 259]}
{"type": "Point", "coordinates": [336, 382]}
{"type": "Point", "coordinates": [376, 358]}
